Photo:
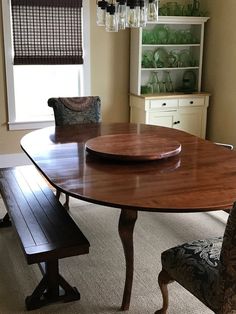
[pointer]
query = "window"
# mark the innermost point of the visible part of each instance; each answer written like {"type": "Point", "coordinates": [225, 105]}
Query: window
{"type": "Point", "coordinates": [29, 86]}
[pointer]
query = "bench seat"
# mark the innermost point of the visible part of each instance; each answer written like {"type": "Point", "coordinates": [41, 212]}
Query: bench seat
{"type": "Point", "coordinates": [45, 229]}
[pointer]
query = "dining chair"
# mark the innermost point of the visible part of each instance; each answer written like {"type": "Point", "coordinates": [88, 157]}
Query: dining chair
{"type": "Point", "coordinates": [206, 268]}
{"type": "Point", "coordinates": [229, 146]}
{"type": "Point", "coordinates": [75, 110]}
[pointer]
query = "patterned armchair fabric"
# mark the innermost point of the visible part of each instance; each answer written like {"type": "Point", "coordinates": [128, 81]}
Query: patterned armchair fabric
{"type": "Point", "coordinates": [76, 110]}
{"type": "Point", "coordinates": [206, 268]}
{"type": "Point", "coordinates": [228, 265]}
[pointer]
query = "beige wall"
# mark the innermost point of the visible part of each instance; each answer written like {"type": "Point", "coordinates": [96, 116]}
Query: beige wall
{"type": "Point", "coordinates": [109, 73]}
{"type": "Point", "coordinates": [220, 69]}
{"type": "Point", "coordinates": [110, 70]}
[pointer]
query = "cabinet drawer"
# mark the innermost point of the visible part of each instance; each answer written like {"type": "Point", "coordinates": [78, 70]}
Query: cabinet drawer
{"type": "Point", "coordinates": [163, 103]}
{"type": "Point", "coordinates": [199, 101]}
{"type": "Point", "coordinates": [162, 118]}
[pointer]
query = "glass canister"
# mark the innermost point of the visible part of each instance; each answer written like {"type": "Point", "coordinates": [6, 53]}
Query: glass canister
{"type": "Point", "coordinates": [169, 82]}
{"type": "Point", "coordinates": [155, 82]}
{"type": "Point", "coordinates": [172, 8]}
{"type": "Point", "coordinates": [196, 8]}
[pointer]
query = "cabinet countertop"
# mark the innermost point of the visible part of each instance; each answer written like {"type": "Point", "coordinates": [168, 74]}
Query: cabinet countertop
{"type": "Point", "coordinates": [170, 95]}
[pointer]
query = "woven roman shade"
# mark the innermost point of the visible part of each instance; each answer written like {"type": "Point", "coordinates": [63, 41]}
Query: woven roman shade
{"type": "Point", "coordinates": [47, 31]}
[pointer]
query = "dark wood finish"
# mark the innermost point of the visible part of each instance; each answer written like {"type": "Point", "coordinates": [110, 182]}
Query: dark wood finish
{"type": "Point", "coordinates": [126, 227]}
{"type": "Point", "coordinates": [5, 221]}
{"type": "Point", "coordinates": [136, 147]}
{"type": "Point", "coordinates": [49, 289]}
{"type": "Point", "coordinates": [202, 177]}
{"type": "Point", "coordinates": [66, 204]}
{"type": "Point", "coordinates": [45, 230]}
{"type": "Point", "coordinates": [164, 279]}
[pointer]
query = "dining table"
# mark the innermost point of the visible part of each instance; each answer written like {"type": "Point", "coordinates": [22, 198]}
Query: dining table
{"type": "Point", "coordinates": [134, 167]}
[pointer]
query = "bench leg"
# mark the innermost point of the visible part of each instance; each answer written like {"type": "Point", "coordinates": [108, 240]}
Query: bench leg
{"type": "Point", "coordinates": [5, 221]}
{"type": "Point", "coordinates": [66, 205]}
{"type": "Point", "coordinates": [58, 194]}
{"type": "Point", "coordinates": [48, 290]}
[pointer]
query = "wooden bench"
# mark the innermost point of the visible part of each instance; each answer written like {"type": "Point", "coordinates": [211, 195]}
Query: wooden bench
{"type": "Point", "coordinates": [45, 230]}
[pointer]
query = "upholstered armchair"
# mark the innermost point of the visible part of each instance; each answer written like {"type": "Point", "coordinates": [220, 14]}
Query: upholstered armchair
{"type": "Point", "coordinates": [75, 110]}
{"type": "Point", "coordinates": [229, 146]}
{"type": "Point", "coordinates": [206, 268]}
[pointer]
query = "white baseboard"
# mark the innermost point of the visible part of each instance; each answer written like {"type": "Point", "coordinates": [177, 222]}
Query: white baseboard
{"type": "Point", "coordinates": [12, 160]}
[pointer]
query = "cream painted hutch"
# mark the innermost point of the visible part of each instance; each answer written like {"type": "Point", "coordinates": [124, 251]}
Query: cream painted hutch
{"type": "Point", "coordinates": [178, 108]}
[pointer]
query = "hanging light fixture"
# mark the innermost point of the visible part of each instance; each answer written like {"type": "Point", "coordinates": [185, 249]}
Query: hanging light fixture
{"type": "Point", "coordinates": [119, 14]}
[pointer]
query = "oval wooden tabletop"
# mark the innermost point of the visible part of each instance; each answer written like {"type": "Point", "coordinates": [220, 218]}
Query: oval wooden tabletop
{"type": "Point", "coordinates": [136, 147]}
{"type": "Point", "coordinates": [201, 177]}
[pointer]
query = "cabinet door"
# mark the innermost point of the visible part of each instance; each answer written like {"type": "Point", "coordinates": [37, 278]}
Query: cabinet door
{"type": "Point", "coordinates": [162, 118]}
{"type": "Point", "coordinates": [190, 120]}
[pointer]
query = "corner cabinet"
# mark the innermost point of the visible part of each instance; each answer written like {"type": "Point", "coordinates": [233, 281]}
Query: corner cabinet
{"type": "Point", "coordinates": [184, 112]}
{"type": "Point", "coordinates": [165, 74]}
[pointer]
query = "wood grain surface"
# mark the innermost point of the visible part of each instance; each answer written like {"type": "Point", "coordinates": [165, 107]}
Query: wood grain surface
{"type": "Point", "coordinates": [201, 177]}
{"type": "Point", "coordinates": [136, 147]}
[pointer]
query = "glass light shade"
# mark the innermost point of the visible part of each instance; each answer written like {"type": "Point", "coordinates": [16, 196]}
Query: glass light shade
{"type": "Point", "coordinates": [111, 19]}
{"type": "Point", "coordinates": [152, 11]}
{"type": "Point", "coordinates": [121, 12]}
{"type": "Point", "coordinates": [132, 16]}
{"type": "Point", "coordinates": [143, 13]}
{"type": "Point", "coordinates": [101, 12]}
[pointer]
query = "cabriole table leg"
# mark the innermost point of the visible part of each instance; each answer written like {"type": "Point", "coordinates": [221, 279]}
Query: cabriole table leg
{"type": "Point", "coordinates": [126, 227]}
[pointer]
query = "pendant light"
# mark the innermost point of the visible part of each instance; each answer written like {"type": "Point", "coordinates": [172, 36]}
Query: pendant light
{"type": "Point", "coordinates": [119, 14]}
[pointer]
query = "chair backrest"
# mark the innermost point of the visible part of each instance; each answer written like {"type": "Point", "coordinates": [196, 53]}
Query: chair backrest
{"type": "Point", "coordinates": [228, 264]}
{"type": "Point", "coordinates": [76, 110]}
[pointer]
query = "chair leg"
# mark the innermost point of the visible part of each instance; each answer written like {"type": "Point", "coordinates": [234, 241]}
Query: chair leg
{"type": "Point", "coordinates": [66, 205]}
{"type": "Point", "coordinates": [164, 279]}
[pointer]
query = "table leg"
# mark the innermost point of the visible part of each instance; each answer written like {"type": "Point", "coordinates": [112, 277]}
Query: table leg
{"type": "Point", "coordinates": [126, 227]}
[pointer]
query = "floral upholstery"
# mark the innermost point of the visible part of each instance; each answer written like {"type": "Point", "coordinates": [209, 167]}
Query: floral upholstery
{"type": "Point", "coordinates": [207, 268]}
{"type": "Point", "coordinates": [228, 262]}
{"type": "Point", "coordinates": [199, 262]}
{"type": "Point", "coordinates": [76, 110]}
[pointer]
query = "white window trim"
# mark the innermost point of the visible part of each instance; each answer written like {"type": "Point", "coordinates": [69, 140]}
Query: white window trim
{"type": "Point", "coordinates": [12, 123]}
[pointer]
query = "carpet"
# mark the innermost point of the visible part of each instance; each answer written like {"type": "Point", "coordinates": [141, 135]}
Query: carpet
{"type": "Point", "coordinates": [99, 276]}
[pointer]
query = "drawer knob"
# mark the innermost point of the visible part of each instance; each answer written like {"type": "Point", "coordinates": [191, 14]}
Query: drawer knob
{"type": "Point", "coordinates": [191, 102]}
{"type": "Point", "coordinates": [164, 104]}
{"type": "Point", "coordinates": [176, 122]}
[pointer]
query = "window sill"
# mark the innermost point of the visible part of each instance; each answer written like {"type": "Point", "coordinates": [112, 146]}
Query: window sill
{"type": "Point", "coordinates": [29, 125]}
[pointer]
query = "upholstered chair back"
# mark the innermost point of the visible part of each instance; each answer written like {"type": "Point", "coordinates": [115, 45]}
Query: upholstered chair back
{"type": "Point", "coordinates": [227, 285]}
{"type": "Point", "coordinates": [206, 268]}
{"type": "Point", "coordinates": [76, 110]}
